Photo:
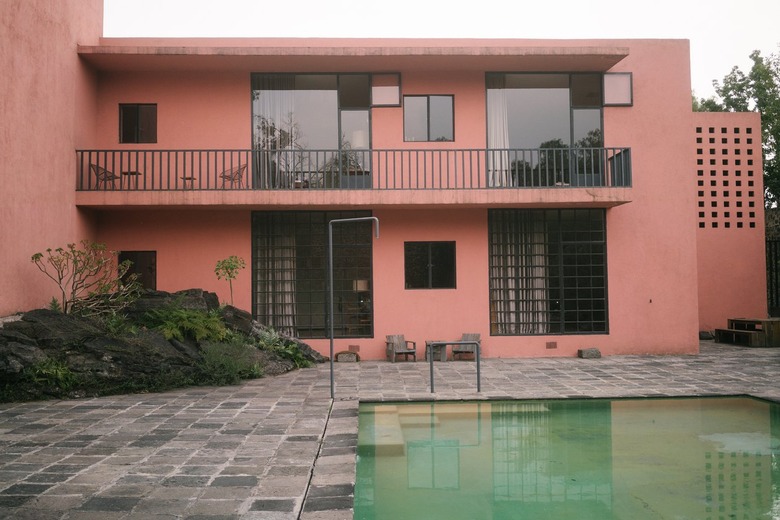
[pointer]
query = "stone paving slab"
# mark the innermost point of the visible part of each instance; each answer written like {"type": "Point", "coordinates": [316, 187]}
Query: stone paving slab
{"type": "Point", "coordinates": [279, 448]}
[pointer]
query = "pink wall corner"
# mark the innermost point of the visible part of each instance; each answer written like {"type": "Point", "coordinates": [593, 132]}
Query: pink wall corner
{"type": "Point", "coordinates": [652, 240]}
{"type": "Point", "coordinates": [188, 245]}
{"type": "Point", "coordinates": [42, 102]}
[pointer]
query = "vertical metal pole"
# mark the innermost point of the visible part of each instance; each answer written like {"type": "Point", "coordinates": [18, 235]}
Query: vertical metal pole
{"type": "Point", "coordinates": [479, 386]}
{"type": "Point", "coordinates": [429, 353]}
{"type": "Point", "coordinates": [330, 285]}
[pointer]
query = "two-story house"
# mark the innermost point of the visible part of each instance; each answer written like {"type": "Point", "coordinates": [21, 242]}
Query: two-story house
{"type": "Point", "coordinates": [540, 193]}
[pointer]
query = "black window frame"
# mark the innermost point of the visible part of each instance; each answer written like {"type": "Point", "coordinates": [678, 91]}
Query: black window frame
{"type": "Point", "coordinates": [548, 272]}
{"type": "Point", "coordinates": [135, 131]}
{"type": "Point", "coordinates": [433, 276]}
{"type": "Point", "coordinates": [428, 118]}
{"type": "Point", "coordinates": [353, 267]}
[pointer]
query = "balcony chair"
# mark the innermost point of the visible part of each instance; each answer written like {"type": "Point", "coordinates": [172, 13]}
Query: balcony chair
{"type": "Point", "coordinates": [233, 175]}
{"type": "Point", "coordinates": [465, 349]}
{"type": "Point", "coordinates": [102, 175]}
{"type": "Point", "coordinates": [396, 346]}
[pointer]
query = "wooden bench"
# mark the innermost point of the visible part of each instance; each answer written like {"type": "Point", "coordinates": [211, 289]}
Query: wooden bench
{"type": "Point", "coordinates": [763, 332]}
{"type": "Point", "coordinates": [748, 338]}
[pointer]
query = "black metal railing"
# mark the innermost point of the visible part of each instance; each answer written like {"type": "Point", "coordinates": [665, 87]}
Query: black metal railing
{"type": "Point", "coordinates": [288, 169]}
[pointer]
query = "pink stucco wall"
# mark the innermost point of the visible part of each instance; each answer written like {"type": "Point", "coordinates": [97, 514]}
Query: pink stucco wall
{"type": "Point", "coordinates": [730, 218]}
{"type": "Point", "coordinates": [188, 245]}
{"type": "Point", "coordinates": [657, 272]}
{"type": "Point", "coordinates": [652, 257]}
{"type": "Point", "coordinates": [47, 106]}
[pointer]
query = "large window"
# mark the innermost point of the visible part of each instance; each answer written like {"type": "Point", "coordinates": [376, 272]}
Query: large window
{"type": "Point", "coordinates": [547, 271]}
{"type": "Point", "coordinates": [429, 118]}
{"type": "Point", "coordinates": [429, 265]}
{"type": "Point", "coordinates": [311, 130]}
{"type": "Point", "coordinates": [534, 122]}
{"type": "Point", "coordinates": [289, 270]}
{"type": "Point", "coordinates": [138, 123]}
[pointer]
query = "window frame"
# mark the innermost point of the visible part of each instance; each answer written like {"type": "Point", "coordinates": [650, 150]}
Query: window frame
{"type": "Point", "coordinates": [607, 89]}
{"type": "Point", "coordinates": [562, 288]}
{"type": "Point", "coordinates": [428, 118]}
{"type": "Point", "coordinates": [431, 276]}
{"type": "Point", "coordinates": [138, 130]}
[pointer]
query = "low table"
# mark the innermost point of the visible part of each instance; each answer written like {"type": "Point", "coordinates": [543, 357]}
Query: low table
{"type": "Point", "coordinates": [440, 348]}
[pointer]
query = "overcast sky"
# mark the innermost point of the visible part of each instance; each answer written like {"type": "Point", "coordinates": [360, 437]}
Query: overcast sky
{"type": "Point", "coordinates": [722, 32]}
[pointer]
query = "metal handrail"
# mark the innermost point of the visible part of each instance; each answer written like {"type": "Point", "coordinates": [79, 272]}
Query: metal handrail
{"type": "Point", "coordinates": [377, 169]}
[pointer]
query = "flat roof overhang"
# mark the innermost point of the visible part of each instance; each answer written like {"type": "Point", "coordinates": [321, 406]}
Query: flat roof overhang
{"type": "Point", "coordinates": [345, 55]}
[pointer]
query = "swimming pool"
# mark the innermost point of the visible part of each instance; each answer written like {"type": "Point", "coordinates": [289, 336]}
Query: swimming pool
{"type": "Point", "coordinates": [627, 459]}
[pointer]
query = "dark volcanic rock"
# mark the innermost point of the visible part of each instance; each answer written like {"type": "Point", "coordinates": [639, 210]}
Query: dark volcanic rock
{"type": "Point", "coordinates": [48, 353]}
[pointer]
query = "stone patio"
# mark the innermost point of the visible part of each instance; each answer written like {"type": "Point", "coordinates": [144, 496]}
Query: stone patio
{"type": "Point", "coordinates": [278, 448]}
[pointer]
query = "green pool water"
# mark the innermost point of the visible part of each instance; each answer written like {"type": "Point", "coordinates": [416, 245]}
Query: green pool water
{"type": "Point", "coordinates": [628, 459]}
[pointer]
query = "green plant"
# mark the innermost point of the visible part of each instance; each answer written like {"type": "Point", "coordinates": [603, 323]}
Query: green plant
{"type": "Point", "coordinates": [176, 323]}
{"type": "Point", "coordinates": [228, 363]}
{"type": "Point", "coordinates": [51, 372]}
{"type": "Point", "coordinates": [117, 324]}
{"type": "Point", "coordinates": [54, 305]}
{"type": "Point", "coordinates": [269, 339]}
{"type": "Point", "coordinates": [89, 278]}
{"type": "Point", "coordinates": [228, 269]}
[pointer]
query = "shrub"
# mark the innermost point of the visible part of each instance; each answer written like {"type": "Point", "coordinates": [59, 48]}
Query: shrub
{"type": "Point", "coordinates": [228, 363]}
{"type": "Point", "coordinates": [52, 374]}
{"type": "Point", "coordinates": [269, 339]}
{"type": "Point", "coordinates": [89, 278]}
{"type": "Point", "coordinates": [176, 323]}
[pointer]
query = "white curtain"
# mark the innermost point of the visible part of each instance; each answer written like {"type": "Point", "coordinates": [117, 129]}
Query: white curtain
{"type": "Point", "coordinates": [519, 275]}
{"type": "Point", "coordinates": [275, 129]}
{"type": "Point", "coordinates": [498, 139]}
{"type": "Point", "coordinates": [276, 272]}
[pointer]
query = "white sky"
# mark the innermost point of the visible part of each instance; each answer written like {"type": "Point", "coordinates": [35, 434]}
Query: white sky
{"type": "Point", "coordinates": [722, 32]}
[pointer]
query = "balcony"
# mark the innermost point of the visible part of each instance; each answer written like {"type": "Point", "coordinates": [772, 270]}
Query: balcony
{"type": "Point", "coordinates": [450, 169]}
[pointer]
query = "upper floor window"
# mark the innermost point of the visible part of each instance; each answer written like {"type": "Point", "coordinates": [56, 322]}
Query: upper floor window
{"type": "Point", "coordinates": [618, 89]}
{"type": "Point", "coordinates": [386, 90]}
{"type": "Point", "coordinates": [429, 265]}
{"type": "Point", "coordinates": [429, 118]}
{"type": "Point", "coordinates": [137, 123]}
{"type": "Point", "coordinates": [528, 111]}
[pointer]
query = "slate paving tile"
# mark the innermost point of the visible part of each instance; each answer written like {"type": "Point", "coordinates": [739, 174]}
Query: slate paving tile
{"type": "Point", "coordinates": [110, 504]}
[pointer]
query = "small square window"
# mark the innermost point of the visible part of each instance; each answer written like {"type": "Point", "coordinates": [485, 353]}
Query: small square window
{"type": "Point", "coordinates": [429, 118]}
{"type": "Point", "coordinates": [429, 265]}
{"type": "Point", "coordinates": [386, 90]}
{"type": "Point", "coordinates": [618, 89]}
{"type": "Point", "coordinates": [137, 123]}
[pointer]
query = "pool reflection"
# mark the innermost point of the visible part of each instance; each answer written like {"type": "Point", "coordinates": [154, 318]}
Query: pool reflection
{"type": "Point", "coordinates": [705, 458]}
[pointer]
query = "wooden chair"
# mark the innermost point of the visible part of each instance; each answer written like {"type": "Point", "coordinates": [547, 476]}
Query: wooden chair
{"type": "Point", "coordinates": [466, 349]}
{"type": "Point", "coordinates": [102, 175]}
{"type": "Point", "coordinates": [396, 346]}
{"type": "Point", "coordinates": [233, 175]}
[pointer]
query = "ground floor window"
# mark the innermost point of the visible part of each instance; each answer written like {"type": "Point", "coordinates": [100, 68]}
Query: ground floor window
{"type": "Point", "coordinates": [289, 271]}
{"type": "Point", "coordinates": [143, 264]}
{"type": "Point", "coordinates": [429, 265]}
{"type": "Point", "coordinates": [547, 271]}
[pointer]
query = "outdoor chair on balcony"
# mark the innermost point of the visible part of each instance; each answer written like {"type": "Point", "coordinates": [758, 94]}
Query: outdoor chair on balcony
{"type": "Point", "coordinates": [235, 176]}
{"type": "Point", "coordinates": [396, 346]}
{"type": "Point", "coordinates": [466, 349]}
{"type": "Point", "coordinates": [102, 175]}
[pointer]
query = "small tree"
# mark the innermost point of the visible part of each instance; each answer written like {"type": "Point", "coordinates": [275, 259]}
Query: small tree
{"type": "Point", "coordinates": [228, 269]}
{"type": "Point", "coordinates": [89, 277]}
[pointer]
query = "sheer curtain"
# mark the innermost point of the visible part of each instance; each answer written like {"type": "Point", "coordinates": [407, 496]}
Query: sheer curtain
{"type": "Point", "coordinates": [519, 275]}
{"type": "Point", "coordinates": [275, 129]}
{"type": "Point", "coordinates": [498, 138]}
{"type": "Point", "coordinates": [276, 275]}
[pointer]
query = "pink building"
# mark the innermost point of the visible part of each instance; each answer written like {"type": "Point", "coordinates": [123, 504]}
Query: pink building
{"type": "Point", "coordinates": [540, 193]}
